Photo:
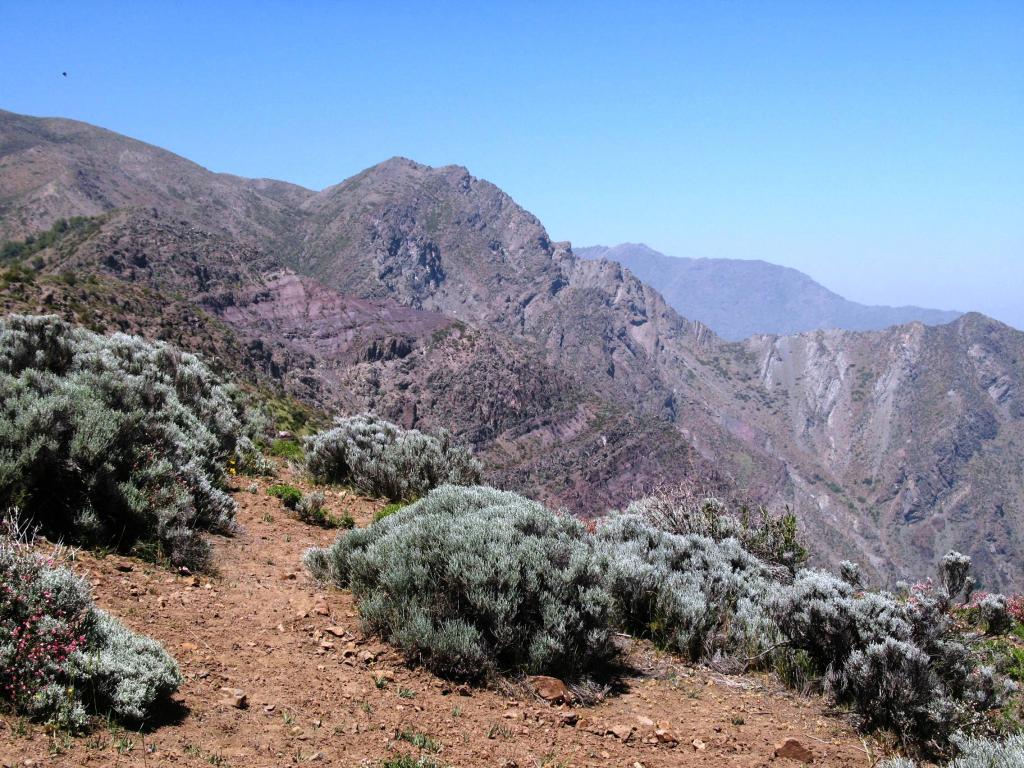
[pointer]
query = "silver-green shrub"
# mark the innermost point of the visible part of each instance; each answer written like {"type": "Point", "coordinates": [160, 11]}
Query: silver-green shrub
{"type": "Point", "coordinates": [382, 459]}
{"type": "Point", "coordinates": [995, 613]}
{"type": "Point", "coordinates": [114, 440]}
{"type": "Point", "coordinates": [249, 459]}
{"type": "Point", "coordinates": [61, 658]}
{"type": "Point", "coordinates": [899, 663]}
{"type": "Point", "coordinates": [685, 508]}
{"type": "Point", "coordinates": [310, 509]}
{"type": "Point", "coordinates": [471, 581]}
{"type": "Point", "coordinates": [700, 596]}
{"type": "Point", "coordinates": [977, 753]}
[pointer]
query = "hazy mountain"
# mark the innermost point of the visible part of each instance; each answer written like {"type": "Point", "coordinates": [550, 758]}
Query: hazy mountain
{"type": "Point", "coordinates": [430, 296]}
{"type": "Point", "coordinates": [739, 298]}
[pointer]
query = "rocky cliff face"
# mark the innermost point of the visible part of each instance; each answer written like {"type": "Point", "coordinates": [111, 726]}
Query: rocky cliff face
{"type": "Point", "coordinates": [915, 430]}
{"type": "Point", "coordinates": [431, 297]}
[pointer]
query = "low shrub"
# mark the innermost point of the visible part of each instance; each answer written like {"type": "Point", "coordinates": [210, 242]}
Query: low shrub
{"type": "Point", "coordinates": [382, 459]}
{"type": "Point", "coordinates": [899, 663]}
{"type": "Point", "coordinates": [61, 658]}
{"type": "Point", "coordinates": [699, 596]}
{"type": "Point", "coordinates": [471, 581]}
{"type": "Point", "coordinates": [248, 459]}
{"type": "Point", "coordinates": [686, 508]}
{"type": "Point", "coordinates": [289, 495]}
{"type": "Point", "coordinates": [310, 509]}
{"type": "Point", "coordinates": [995, 614]}
{"type": "Point", "coordinates": [113, 440]}
{"type": "Point", "coordinates": [977, 753]}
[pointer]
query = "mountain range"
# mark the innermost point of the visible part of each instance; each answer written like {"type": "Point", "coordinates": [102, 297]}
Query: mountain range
{"type": "Point", "coordinates": [740, 298]}
{"type": "Point", "coordinates": [432, 298]}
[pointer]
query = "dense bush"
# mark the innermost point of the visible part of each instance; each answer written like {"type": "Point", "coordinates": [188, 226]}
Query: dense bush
{"type": "Point", "coordinates": [977, 753]}
{"type": "Point", "coordinates": [995, 613]}
{"type": "Point", "coordinates": [686, 508]}
{"type": "Point", "coordinates": [382, 459]}
{"type": "Point", "coordinates": [470, 580]}
{"type": "Point", "coordinates": [248, 459]}
{"type": "Point", "coordinates": [113, 440]}
{"type": "Point", "coordinates": [61, 658]}
{"type": "Point", "coordinates": [699, 596]}
{"type": "Point", "coordinates": [899, 663]}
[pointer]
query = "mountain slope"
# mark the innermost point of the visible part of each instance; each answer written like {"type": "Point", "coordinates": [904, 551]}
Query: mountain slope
{"type": "Point", "coordinates": [738, 298]}
{"type": "Point", "coordinates": [432, 297]}
{"type": "Point", "coordinates": [52, 168]}
{"type": "Point", "coordinates": [538, 429]}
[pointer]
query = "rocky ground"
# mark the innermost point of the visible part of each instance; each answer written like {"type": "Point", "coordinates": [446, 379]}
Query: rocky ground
{"type": "Point", "coordinates": [278, 673]}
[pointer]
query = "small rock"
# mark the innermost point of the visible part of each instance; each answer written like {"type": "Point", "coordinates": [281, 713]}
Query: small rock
{"type": "Point", "coordinates": [794, 750]}
{"type": "Point", "coordinates": [321, 608]}
{"type": "Point", "coordinates": [568, 719]}
{"type": "Point", "coordinates": [645, 721]}
{"type": "Point", "coordinates": [364, 656]}
{"type": "Point", "coordinates": [336, 631]}
{"type": "Point", "coordinates": [620, 731]}
{"type": "Point", "coordinates": [665, 736]}
{"type": "Point", "coordinates": [464, 690]}
{"type": "Point", "coordinates": [699, 745]}
{"type": "Point", "coordinates": [125, 567]}
{"type": "Point", "coordinates": [234, 697]}
{"type": "Point", "coordinates": [189, 647]}
{"type": "Point", "coordinates": [551, 689]}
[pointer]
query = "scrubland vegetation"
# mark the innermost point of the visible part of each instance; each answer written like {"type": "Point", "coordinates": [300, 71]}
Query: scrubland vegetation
{"type": "Point", "coordinates": [61, 658]}
{"type": "Point", "coordinates": [382, 459]}
{"type": "Point", "coordinates": [474, 580]}
{"type": "Point", "coordinates": [114, 441]}
{"type": "Point", "coordinates": [471, 581]}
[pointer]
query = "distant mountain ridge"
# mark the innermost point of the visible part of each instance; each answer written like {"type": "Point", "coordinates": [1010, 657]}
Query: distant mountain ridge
{"type": "Point", "coordinates": [431, 297]}
{"type": "Point", "coordinates": [739, 298]}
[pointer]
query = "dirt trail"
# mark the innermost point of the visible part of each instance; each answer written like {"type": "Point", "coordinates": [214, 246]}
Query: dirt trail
{"type": "Point", "coordinates": [318, 691]}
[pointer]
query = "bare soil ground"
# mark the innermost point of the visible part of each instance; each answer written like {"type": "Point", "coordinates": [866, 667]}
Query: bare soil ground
{"type": "Point", "coordinates": [318, 691]}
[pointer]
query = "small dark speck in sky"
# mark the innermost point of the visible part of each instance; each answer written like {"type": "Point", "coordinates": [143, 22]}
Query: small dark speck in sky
{"type": "Point", "coordinates": [64, 73]}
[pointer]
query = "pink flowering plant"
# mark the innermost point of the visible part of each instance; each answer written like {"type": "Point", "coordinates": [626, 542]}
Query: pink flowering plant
{"type": "Point", "coordinates": [61, 658]}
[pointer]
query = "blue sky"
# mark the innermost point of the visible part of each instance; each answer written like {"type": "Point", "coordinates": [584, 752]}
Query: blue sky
{"type": "Point", "coordinates": [878, 147]}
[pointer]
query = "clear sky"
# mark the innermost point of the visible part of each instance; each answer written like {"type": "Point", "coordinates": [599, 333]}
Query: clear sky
{"type": "Point", "coordinates": [878, 147]}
